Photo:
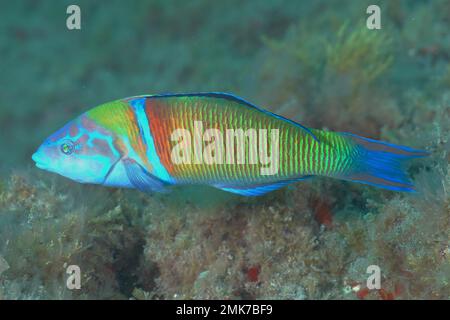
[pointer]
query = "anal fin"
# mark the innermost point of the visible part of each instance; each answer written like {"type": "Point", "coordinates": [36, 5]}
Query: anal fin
{"type": "Point", "coordinates": [258, 189]}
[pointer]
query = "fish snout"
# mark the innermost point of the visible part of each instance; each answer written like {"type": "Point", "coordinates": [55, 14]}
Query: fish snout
{"type": "Point", "coordinates": [38, 159]}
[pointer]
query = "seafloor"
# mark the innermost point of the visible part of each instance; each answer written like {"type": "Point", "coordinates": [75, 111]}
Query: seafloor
{"type": "Point", "coordinates": [312, 61]}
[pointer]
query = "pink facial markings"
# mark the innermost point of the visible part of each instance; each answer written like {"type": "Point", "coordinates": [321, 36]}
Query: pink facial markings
{"type": "Point", "coordinates": [102, 147]}
{"type": "Point", "coordinates": [73, 130]}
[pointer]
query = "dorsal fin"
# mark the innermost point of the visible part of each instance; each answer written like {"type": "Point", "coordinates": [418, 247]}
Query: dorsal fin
{"type": "Point", "coordinates": [232, 97]}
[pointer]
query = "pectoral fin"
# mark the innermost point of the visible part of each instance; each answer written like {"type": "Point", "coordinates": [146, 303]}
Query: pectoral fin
{"type": "Point", "coordinates": [141, 179]}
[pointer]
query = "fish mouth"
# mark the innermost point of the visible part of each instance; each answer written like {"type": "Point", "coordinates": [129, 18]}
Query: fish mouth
{"type": "Point", "coordinates": [38, 161]}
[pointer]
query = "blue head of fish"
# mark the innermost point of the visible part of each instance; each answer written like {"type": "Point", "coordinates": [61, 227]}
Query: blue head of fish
{"type": "Point", "coordinates": [80, 151]}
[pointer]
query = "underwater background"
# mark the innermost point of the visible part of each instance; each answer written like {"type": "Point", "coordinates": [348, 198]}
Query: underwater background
{"type": "Point", "coordinates": [312, 61]}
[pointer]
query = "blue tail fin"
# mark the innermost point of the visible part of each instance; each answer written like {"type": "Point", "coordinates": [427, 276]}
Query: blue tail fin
{"type": "Point", "coordinates": [382, 164]}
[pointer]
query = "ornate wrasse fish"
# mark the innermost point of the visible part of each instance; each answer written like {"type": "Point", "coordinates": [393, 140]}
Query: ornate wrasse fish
{"type": "Point", "coordinates": [151, 142]}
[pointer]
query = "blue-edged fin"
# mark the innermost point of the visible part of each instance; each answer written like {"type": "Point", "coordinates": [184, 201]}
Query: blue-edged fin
{"type": "Point", "coordinates": [381, 164]}
{"type": "Point", "coordinates": [232, 97]}
{"type": "Point", "coordinates": [141, 179]}
{"type": "Point", "coordinates": [257, 190]}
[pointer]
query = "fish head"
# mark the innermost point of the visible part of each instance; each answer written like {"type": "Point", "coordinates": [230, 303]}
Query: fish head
{"type": "Point", "coordinates": [80, 150]}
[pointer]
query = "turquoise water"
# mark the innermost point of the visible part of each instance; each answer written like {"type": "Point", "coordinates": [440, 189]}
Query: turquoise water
{"type": "Point", "coordinates": [314, 62]}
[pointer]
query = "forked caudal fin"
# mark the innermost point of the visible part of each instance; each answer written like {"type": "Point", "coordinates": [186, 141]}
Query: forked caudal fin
{"type": "Point", "coordinates": [381, 164]}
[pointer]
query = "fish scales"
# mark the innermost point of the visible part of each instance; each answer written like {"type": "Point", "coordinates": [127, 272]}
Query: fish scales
{"type": "Point", "coordinates": [222, 115]}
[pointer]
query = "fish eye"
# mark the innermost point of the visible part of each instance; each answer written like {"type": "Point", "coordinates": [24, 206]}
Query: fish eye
{"type": "Point", "coordinates": [67, 147]}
